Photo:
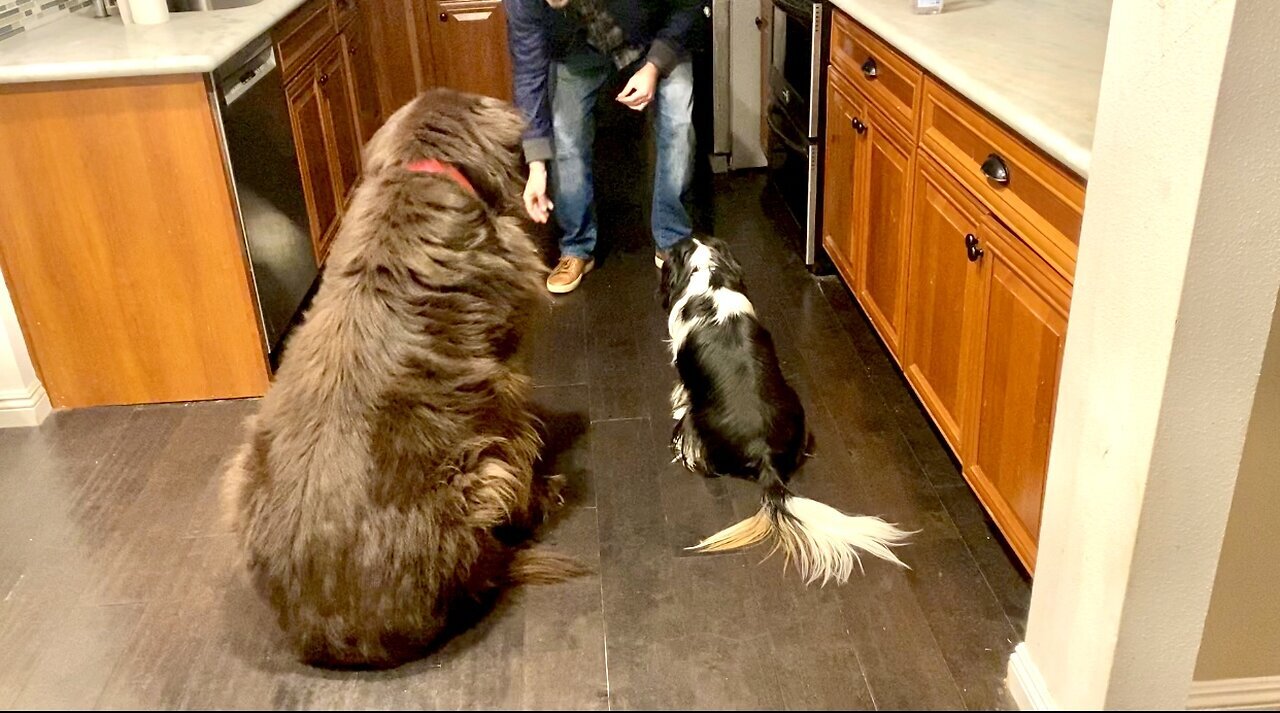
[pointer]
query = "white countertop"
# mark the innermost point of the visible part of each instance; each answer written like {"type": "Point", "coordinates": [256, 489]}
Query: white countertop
{"type": "Point", "coordinates": [84, 47]}
{"type": "Point", "coordinates": [1035, 65]}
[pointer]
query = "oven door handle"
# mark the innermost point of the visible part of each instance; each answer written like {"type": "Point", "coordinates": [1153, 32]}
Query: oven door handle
{"type": "Point", "coordinates": [773, 117]}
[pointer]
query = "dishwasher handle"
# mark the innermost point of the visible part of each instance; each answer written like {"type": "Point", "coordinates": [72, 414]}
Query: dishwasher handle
{"type": "Point", "coordinates": [247, 75]}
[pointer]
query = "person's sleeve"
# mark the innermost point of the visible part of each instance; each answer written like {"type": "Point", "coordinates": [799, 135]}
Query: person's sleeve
{"type": "Point", "coordinates": [671, 45]}
{"type": "Point", "coordinates": [527, 28]}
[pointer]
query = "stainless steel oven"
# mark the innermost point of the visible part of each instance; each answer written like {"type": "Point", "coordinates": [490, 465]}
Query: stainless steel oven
{"type": "Point", "coordinates": [797, 46]}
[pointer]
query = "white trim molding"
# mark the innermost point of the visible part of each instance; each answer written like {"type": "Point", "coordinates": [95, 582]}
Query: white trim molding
{"type": "Point", "coordinates": [1260, 693]}
{"type": "Point", "coordinates": [1026, 685]}
{"type": "Point", "coordinates": [24, 410]}
{"type": "Point", "coordinates": [24, 403]}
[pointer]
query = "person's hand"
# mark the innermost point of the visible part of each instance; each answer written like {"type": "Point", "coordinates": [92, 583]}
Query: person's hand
{"type": "Point", "coordinates": [639, 90]}
{"type": "Point", "coordinates": [536, 202]}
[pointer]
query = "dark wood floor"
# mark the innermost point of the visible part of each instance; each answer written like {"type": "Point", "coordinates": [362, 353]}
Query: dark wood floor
{"type": "Point", "coordinates": [118, 587]}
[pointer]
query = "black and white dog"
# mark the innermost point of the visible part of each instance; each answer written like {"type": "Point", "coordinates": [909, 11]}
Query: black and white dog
{"type": "Point", "coordinates": [736, 415]}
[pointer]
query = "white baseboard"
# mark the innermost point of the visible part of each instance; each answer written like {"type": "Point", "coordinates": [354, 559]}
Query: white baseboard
{"type": "Point", "coordinates": [1026, 685]}
{"type": "Point", "coordinates": [25, 410]}
{"type": "Point", "coordinates": [1261, 693]}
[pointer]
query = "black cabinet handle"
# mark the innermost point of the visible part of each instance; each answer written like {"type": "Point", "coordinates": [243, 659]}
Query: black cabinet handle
{"type": "Point", "coordinates": [994, 169]}
{"type": "Point", "coordinates": [759, 23]}
{"type": "Point", "coordinates": [971, 246]}
{"type": "Point", "coordinates": [858, 126]}
{"type": "Point", "coordinates": [444, 17]}
{"type": "Point", "coordinates": [869, 69]}
{"type": "Point", "coordinates": [324, 79]}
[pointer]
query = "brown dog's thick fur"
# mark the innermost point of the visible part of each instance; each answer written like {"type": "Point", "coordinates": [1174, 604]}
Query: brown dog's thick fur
{"type": "Point", "coordinates": [396, 439]}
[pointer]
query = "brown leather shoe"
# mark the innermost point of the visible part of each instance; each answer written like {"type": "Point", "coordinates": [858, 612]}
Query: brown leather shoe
{"type": "Point", "coordinates": [568, 274]}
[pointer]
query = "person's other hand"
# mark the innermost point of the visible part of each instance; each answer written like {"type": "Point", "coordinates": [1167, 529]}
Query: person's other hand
{"type": "Point", "coordinates": [536, 202]}
{"type": "Point", "coordinates": [640, 88]}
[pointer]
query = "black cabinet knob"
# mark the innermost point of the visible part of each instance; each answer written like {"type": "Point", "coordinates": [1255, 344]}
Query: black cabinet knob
{"type": "Point", "coordinates": [759, 23]}
{"type": "Point", "coordinates": [869, 69]}
{"type": "Point", "coordinates": [858, 126]}
{"type": "Point", "coordinates": [444, 17]}
{"type": "Point", "coordinates": [994, 169]}
{"type": "Point", "coordinates": [971, 247]}
{"type": "Point", "coordinates": [324, 79]}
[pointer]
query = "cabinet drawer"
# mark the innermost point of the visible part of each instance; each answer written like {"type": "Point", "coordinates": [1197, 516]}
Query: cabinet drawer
{"type": "Point", "coordinates": [1040, 201]}
{"type": "Point", "coordinates": [299, 36]}
{"type": "Point", "coordinates": [890, 80]}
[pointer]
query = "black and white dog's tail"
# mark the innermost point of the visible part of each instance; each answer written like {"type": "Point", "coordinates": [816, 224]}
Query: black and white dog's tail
{"type": "Point", "coordinates": [821, 541]}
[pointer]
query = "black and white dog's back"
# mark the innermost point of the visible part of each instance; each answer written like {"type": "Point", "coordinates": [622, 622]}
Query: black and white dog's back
{"type": "Point", "coordinates": [736, 415]}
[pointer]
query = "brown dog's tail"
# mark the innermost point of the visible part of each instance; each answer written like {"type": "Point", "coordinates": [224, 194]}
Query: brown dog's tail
{"type": "Point", "coordinates": [821, 541]}
{"type": "Point", "coordinates": [537, 565]}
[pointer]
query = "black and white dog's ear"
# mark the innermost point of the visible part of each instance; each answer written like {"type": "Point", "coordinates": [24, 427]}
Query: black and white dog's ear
{"type": "Point", "coordinates": [729, 272]}
{"type": "Point", "coordinates": [675, 272]}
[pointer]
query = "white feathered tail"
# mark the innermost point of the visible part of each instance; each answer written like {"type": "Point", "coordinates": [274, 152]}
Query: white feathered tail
{"type": "Point", "coordinates": [821, 541]}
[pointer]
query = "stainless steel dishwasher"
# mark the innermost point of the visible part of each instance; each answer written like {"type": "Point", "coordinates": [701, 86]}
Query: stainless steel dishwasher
{"type": "Point", "coordinates": [263, 163]}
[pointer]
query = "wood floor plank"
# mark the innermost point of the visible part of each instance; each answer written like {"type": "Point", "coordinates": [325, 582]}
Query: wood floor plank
{"type": "Point", "coordinates": [75, 655]}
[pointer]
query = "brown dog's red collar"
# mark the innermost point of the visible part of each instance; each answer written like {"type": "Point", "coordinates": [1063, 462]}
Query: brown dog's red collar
{"type": "Point", "coordinates": [431, 165]}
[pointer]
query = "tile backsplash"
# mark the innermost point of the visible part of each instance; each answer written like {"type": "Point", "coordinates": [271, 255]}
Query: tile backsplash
{"type": "Point", "coordinates": [21, 15]}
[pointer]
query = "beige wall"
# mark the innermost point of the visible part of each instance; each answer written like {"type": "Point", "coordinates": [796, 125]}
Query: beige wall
{"type": "Point", "coordinates": [1242, 629]}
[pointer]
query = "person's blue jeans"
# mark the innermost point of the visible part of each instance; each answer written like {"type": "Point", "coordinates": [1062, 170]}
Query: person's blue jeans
{"type": "Point", "coordinates": [576, 83]}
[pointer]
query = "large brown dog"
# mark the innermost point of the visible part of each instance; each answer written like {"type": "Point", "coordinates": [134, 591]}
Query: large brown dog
{"type": "Point", "coordinates": [396, 439]}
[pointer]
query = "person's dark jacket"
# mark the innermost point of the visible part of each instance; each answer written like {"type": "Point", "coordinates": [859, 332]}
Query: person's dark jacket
{"type": "Point", "coordinates": [537, 35]}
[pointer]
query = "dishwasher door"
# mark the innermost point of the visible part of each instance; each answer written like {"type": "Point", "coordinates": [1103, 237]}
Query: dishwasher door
{"type": "Point", "coordinates": [263, 163]}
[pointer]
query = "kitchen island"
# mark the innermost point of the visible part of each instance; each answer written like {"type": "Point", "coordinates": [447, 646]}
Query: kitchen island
{"type": "Point", "coordinates": [145, 261]}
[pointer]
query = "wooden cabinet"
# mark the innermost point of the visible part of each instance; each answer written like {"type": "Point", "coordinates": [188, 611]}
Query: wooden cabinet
{"type": "Point", "coordinates": [1023, 314]}
{"type": "Point", "coordinates": [324, 125]}
{"type": "Point", "coordinates": [333, 105]}
{"type": "Point", "coordinates": [468, 40]}
{"type": "Point", "coordinates": [838, 177]}
{"type": "Point", "coordinates": [877, 70]}
{"type": "Point", "coordinates": [942, 295]}
{"type": "Point", "coordinates": [334, 83]}
{"type": "Point", "coordinates": [418, 44]}
{"type": "Point", "coordinates": [302, 34]}
{"type": "Point", "coordinates": [883, 179]}
{"type": "Point", "coordinates": [402, 68]}
{"type": "Point", "coordinates": [364, 81]}
{"type": "Point", "coordinates": [1039, 200]}
{"type": "Point", "coordinates": [867, 175]}
{"type": "Point", "coordinates": [306, 106]}
{"type": "Point", "coordinates": [129, 277]}
{"type": "Point", "coordinates": [958, 240]}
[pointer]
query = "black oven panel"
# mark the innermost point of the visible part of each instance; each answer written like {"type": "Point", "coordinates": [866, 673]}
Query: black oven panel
{"type": "Point", "coordinates": [796, 61]}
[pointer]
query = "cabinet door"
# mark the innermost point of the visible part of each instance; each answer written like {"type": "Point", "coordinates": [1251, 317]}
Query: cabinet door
{"type": "Point", "coordinates": [307, 112]}
{"type": "Point", "coordinates": [340, 120]}
{"type": "Point", "coordinates": [392, 28]}
{"type": "Point", "coordinates": [469, 46]}
{"type": "Point", "coordinates": [838, 195]}
{"type": "Point", "coordinates": [880, 229]}
{"type": "Point", "coordinates": [943, 293]}
{"type": "Point", "coordinates": [1025, 309]}
{"type": "Point", "coordinates": [364, 82]}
